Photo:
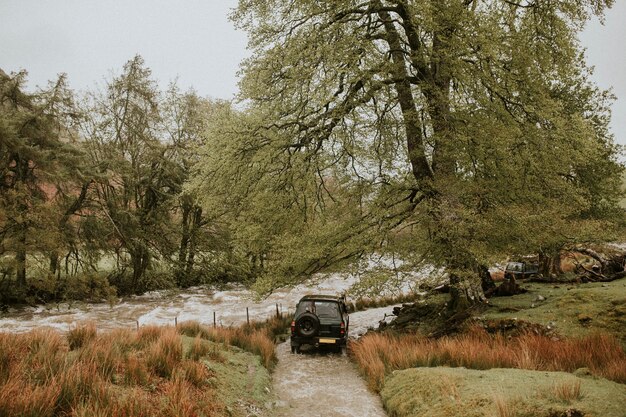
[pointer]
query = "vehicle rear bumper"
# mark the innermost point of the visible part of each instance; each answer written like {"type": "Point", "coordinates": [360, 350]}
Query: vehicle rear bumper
{"type": "Point", "coordinates": [318, 341]}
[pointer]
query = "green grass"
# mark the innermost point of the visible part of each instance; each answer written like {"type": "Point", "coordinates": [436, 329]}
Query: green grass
{"type": "Point", "coordinates": [572, 309]}
{"type": "Point", "coordinates": [449, 392]}
{"type": "Point", "coordinates": [240, 380]}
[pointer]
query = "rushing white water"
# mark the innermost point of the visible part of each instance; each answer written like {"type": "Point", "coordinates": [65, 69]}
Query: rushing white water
{"type": "Point", "coordinates": [164, 307]}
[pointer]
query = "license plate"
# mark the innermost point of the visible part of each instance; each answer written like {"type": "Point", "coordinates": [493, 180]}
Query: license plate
{"type": "Point", "coordinates": [327, 340]}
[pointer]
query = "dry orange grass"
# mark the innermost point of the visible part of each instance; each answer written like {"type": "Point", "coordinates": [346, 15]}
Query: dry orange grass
{"type": "Point", "coordinates": [81, 335]}
{"type": "Point", "coordinates": [122, 373]}
{"type": "Point", "coordinates": [253, 338]}
{"type": "Point", "coordinates": [378, 354]}
{"type": "Point", "coordinates": [503, 409]}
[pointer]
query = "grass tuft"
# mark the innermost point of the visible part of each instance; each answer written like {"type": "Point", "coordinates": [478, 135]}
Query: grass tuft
{"type": "Point", "coordinates": [81, 335]}
{"type": "Point", "coordinates": [567, 391]}
{"type": "Point", "coordinates": [165, 353]}
{"type": "Point", "coordinates": [503, 409]}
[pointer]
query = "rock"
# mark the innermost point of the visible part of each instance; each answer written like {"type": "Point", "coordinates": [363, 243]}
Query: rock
{"type": "Point", "coordinates": [532, 305]}
{"type": "Point", "coordinates": [540, 298]}
{"type": "Point", "coordinates": [582, 372]}
{"type": "Point", "coordinates": [605, 285]}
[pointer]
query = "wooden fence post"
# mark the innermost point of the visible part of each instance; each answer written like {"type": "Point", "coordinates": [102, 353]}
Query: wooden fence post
{"type": "Point", "coordinates": [214, 321]}
{"type": "Point", "coordinates": [247, 315]}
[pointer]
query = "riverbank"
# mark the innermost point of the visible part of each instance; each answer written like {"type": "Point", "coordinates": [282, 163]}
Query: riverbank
{"type": "Point", "coordinates": [565, 340]}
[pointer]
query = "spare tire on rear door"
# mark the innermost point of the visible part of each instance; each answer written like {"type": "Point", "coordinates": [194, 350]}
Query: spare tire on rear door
{"type": "Point", "coordinates": [307, 325]}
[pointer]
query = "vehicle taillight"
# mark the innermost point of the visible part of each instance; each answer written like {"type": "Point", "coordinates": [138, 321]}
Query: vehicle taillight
{"type": "Point", "coordinates": [342, 331]}
{"type": "Point", "coordinates": [293, 327]}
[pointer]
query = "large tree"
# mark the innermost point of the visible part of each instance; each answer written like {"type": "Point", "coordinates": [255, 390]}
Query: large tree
{"type": "Point", "coordinates": [136, 180]}
{"type": "Point", "coordinates": [463, 129]}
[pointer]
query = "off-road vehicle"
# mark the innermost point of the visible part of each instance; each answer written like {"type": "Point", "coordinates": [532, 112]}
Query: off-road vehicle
{"type": "Point", "coordinates": [519, 270]}
{"type": "Point", "coordinates": [320, 321]}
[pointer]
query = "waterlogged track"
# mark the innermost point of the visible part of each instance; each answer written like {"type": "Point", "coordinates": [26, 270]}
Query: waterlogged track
{"type": "Point", "coordinates": [315, 384]}
{"type": "Point", "coordinates": [320, 384]}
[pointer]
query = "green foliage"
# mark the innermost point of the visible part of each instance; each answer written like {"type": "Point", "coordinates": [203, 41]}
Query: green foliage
{"type": "Point", "coordinates": [92, 194]}
{"type": "Point", "coordinates": [452, 133]}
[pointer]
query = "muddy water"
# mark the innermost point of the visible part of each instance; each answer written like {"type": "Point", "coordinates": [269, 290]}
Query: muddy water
{"type": "Point", "coordinates": [160, 308]}
{"type": "Point", "coordinates": [314, 384]}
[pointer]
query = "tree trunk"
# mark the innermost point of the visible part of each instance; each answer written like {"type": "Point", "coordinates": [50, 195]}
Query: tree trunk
{"type": "Point", "coordinates": [20, 257]}
{"type": "Point", "coordinates": [550, 263]}
{"type": "Point", "coordinates": [140, 259]}
{"type": "Point", "coordinates": [197, 221]}
{"type": "Point", "coordinates": [412, 124]}
{"type": "Point", "coordinates": [184, 236]}
{"type": "Point", "coordinates": [54, 263]}
{"type": "Point", "coordinates": [76, 205]}
{"type": "Point", "coordinates": [465, 293]}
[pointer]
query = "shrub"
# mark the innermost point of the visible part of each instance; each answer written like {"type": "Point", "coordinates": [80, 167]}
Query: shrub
{"type": "Point", "coordinates": [104, 375]}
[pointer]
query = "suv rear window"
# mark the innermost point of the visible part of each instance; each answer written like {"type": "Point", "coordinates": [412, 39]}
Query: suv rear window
{"type": "Point", "coordinates": [327, 309]}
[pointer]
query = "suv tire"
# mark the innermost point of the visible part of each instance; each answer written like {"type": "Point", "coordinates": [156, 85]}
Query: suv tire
{"type": "Point", "coordinates": [307, 324]}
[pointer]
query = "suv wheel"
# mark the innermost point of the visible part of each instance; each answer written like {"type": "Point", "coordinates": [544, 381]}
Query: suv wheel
{"type": "Point", "coordinates": [295, 349]}
{"type": "Point", "coordinates": [307, 325]}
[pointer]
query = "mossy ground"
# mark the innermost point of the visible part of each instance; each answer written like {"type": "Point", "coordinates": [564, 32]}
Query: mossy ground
{"type": "Point", "coordinates": [450, 392]}
{"type": "Point", "coordinates": [572, 309]}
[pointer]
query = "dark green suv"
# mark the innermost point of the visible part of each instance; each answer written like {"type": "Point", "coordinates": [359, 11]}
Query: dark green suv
{"type": "Point", "coordinates": [320, 321]}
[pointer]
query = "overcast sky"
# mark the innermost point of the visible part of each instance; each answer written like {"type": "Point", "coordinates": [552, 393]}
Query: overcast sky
{"type": "Point", "coordinates": [193, 41]}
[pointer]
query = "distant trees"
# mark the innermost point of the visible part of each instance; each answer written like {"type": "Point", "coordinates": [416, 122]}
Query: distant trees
{"type": "Point", "coordinates": [92, 193]}
{"type": "Point", "coordinates": [40, 166]}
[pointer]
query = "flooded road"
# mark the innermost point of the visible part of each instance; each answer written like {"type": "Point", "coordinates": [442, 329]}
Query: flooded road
{"type": "Point", "coordinates": [314, 384]}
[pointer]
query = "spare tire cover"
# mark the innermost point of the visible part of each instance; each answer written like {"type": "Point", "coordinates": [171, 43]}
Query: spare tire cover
{"type": "Point", "coordinates": [307, 324]}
